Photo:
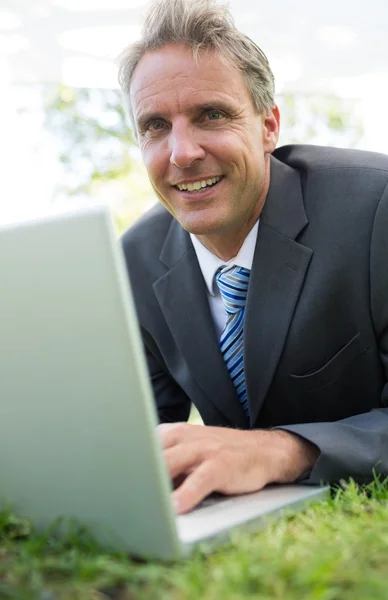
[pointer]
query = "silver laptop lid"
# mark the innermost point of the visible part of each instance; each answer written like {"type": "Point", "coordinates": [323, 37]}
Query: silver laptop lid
{"type": "Point", "coordinates": [76, 411]}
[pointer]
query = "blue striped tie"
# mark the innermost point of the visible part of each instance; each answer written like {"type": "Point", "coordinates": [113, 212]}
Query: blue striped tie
{"type": "Point", "coordinates": [233, 285]}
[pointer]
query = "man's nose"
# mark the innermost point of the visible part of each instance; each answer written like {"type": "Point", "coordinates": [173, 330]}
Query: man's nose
{"type": "Point", "coordinates": [185, 147]}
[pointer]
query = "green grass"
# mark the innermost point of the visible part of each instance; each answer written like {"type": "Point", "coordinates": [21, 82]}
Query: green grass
{"type": "Point", "coordinates": [335, 550]}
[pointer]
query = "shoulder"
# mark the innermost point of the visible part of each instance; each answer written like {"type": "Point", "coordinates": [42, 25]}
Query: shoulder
{"type": "Point", "coordinates": [310, 159]}
{"type": "Point", "coordinates": [338, 182]}
{"type": "Point", "coordinates": [147, 234]}
{"type": "Point", "coordinates": [142, 245]}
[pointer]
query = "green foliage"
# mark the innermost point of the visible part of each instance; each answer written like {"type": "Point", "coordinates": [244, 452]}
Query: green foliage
{"type": "Point", "coordinates": [90, 126]}
{"type": "Point", "coordinates": [320, 119]}
{"type": "Point", "coordinates": [332, 550]}
{"type": "Point", "coordinates": [97, 151]}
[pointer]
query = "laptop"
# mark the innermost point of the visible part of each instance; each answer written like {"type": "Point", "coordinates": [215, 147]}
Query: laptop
{"type": "Point", "coordinates": [77, 422]}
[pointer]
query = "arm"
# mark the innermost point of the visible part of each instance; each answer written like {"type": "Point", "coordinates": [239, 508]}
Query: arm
{"type": "Point", "coordinates": [172, 404]}
{"type": "Point", "coordinates": [353, 447]}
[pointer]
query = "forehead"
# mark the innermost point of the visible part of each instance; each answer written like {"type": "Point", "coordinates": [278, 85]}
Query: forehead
{"type": "Point", "coordinates": [171, 77]}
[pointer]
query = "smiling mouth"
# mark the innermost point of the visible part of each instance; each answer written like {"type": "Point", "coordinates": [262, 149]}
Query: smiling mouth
{"type": "Point", "coordinates": [198, 186]}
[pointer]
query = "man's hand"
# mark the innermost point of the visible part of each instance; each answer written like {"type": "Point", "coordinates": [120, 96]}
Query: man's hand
{"type": "Point", "coordinates": [230, 461]}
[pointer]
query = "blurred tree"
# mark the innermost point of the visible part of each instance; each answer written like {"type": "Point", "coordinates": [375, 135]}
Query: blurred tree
{"type": "Point", "coordinates": [323, 119]}
{"type": "Point", "coordinates": [93, 137]}
{"type": "Point", "coordinates": [101, 160]}
{"type": "Point", "coordinates": [97, 150]}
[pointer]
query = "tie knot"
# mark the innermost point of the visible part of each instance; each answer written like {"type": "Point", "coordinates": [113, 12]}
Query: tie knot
{"type": "Point", "coordinates": [233, 285]}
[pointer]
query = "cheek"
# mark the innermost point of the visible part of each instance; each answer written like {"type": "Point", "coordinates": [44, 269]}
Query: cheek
{"type": "Point", "coordinates": [155, 162]}
{"type": "Point", "coordinates": [254, 158]}
{"type": "Point", "coordinates": [238, 150]}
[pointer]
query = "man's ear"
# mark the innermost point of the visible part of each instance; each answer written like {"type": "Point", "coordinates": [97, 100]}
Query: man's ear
{"type": "Point", "coordinates": [271, 124]}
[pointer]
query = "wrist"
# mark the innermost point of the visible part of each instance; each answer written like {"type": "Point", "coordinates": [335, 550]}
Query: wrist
{"type": "Point", "coordinates": [294, 456]}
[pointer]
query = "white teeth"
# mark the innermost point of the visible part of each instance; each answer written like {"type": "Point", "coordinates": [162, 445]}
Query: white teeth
{"type": "Point", "coordinates": [197, 185]}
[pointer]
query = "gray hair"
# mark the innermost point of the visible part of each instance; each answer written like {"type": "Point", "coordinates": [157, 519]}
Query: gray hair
{"type": "Point", "coordinates": [200, 25]}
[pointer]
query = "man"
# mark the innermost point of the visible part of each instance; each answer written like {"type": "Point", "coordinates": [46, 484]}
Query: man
{"type": "Point", "coordinates": [260, 279]}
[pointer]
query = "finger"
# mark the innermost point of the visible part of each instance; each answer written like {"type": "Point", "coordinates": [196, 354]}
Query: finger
{"type": "Point", "coordinates": [180, 434]}
{"type": "Point", "coordinates": [168, 426]}
{"type": "Point", "coordinates": [199, 484]}
{"type": "Point", "coordinates": [182, 458]}
{"type": "Point", "coordinates": [165, 431]}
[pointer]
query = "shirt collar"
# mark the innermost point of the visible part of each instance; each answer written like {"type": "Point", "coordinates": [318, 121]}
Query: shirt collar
{"type": "Point", "coordinates": [210, 263]}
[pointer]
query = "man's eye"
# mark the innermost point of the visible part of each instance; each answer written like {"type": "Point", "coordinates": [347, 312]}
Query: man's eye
{"type": "Point", "coordinates": [214, 115]}
{"type": "Point", "coordinates": [154, 126]}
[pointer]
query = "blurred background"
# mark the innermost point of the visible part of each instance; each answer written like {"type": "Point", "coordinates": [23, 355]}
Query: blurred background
{"type": "Point", "coordinates": [65, 141]}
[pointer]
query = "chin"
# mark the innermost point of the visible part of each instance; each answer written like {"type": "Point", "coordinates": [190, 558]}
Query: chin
{"type": "Point", "coordinates": [200, 228]}
{"type": "Point", "coordinates": [200, 224]}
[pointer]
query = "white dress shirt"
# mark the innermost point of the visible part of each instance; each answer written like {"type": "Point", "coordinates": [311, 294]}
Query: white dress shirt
{"type": "Point", "coordinates": [210, 263]}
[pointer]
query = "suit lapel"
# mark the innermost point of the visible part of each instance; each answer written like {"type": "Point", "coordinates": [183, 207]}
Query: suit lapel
{"type": "Point", "coordinates": [182, 297]}
{"type": "Point", "coordinates": [279, 268]}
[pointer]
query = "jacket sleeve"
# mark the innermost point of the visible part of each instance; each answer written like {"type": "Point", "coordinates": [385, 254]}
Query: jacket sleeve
{"type": "Point", "coordinates": [172, 404]}
{"type": "Point", "coordinates": [357, 446]}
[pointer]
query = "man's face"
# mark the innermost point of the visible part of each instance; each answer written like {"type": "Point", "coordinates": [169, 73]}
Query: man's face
{"type": "Point", "coordinates": [197, 126]}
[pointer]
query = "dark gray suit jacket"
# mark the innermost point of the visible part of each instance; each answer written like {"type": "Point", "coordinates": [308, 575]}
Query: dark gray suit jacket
{"type": "Point", "coordinates": [316, 328]}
